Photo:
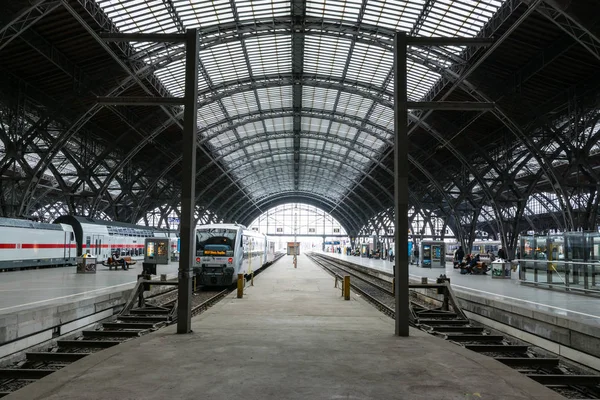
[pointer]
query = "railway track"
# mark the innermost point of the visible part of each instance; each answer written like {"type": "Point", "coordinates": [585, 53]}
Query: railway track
{"type": "Point", "coordinates": [444, 318]}
{"type": "Point", "coordinates": [140, 316]}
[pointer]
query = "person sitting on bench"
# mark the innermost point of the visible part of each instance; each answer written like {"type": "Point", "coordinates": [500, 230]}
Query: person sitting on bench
{"type": "Point", "coordinates": [119, 260]}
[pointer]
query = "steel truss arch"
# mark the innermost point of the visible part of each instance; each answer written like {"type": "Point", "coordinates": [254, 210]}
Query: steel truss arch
{"type": "Point", "coordinates": [291, 196]}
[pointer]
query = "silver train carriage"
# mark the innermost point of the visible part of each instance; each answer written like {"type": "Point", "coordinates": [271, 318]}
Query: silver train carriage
{"type": "Point", "coordinates": [225, 250]}
{"type": "Point", "coordinates": [25, 244]}
{"type": "Point", "coordinates": [102, 239]}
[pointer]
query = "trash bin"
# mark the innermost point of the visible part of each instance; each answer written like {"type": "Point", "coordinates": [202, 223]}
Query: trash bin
{"type": "Point", "coordinates": [86, 265]}
{"type": "Point", "coordinates": [501, 269]}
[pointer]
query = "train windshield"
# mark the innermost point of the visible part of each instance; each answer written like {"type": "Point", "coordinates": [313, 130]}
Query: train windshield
{"type": "Point", "coordinates": [215, 242]}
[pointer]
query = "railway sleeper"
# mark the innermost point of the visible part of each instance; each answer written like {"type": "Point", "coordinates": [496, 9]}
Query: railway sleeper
{"type": "Point", "coordinates": [133, 325]}
{"type": "Point", "coordinates": [457, 329]}
{"type": "Point", "coordinates": [432, 322]}
{"type": "Point", "coordinates": [497, 348]}
{"type": "Point", "coordinates": [22, 373]}
{"type": "Point", "coordinates": [436, 314]}
{"type": "Point", "coordinates": [531, 362]}
{"type": "Point", "coordinates": [54, 356]}
{"type": "Point", "coordinates": [143, 318]}
{"type": "Point", "coordinates": [87, 344]}
{"type": "Point", "coordinates": [114, 333]}
{"type": "Point", "coordinates": [475, 338]}
{"type": "Point", "coordinates": [149, 311]}
{"type": "Point", "coordinates": [565, 380]}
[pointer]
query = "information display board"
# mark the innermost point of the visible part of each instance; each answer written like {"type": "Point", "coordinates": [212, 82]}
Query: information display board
{"type": "Point", "coordinates": [157, 251]}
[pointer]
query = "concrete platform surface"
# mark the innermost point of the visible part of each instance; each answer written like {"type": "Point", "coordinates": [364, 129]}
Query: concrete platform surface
{"type": "Point", "coordinates": [564, 305]}
{"type": "Point", "coordinates": [34, 288]}
{"type": "Point", "coordinates": [291, 337]}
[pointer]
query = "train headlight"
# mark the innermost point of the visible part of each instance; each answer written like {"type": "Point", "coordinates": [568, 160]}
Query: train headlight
{"type": "Point", "coordinates": [230, 260]}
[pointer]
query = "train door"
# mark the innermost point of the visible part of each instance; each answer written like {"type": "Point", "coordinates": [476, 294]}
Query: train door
{"type": "Point", "coordinates": [69, 239]}
{"type": "Point", "coordinates": [97, 246]}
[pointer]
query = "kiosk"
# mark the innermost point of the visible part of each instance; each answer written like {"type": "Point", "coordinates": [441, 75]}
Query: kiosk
{"type": "Point", "coordinates": [432, 254]}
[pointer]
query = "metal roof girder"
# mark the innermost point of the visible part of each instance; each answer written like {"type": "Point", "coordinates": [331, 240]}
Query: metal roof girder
{"type": "Point", "coordinates": [335, 183]}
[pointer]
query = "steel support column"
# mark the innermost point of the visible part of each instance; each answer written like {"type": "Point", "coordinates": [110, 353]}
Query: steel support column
{"type": "Point", "coordinates": [188, 183]}
{"type": "Point", "coordinates": [401, 184]}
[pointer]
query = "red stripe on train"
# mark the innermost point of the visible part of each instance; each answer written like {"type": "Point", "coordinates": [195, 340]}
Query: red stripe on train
{"type": "Point", "coordinates": [46, 246]}
{"type": "Point", "coordinates": [8, 245]}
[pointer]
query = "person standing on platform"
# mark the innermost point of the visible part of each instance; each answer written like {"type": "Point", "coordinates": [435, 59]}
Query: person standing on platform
{"type": "Point", "coordinates": [417, 255]}
{"type": "Point", "coordinates": [501, 253]}
{"type": "Point", "coordinates": [459, 255]}
{"type": "Point", "coordinates": [391, 254]}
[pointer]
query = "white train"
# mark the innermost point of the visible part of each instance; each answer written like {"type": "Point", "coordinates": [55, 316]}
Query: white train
{"type": "Point", "coordinates": [26, 244]}
{"type": "Point", "coordinates": [30, 244]}
{"type": "Point", "coordinates": [225, 250]}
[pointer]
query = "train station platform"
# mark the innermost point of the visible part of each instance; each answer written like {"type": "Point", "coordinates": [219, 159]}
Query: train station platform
{"type": "Point", "coordinates": [569, 305]}
{"type": "Point", "coordinates": [564, 323]}
{"type": "Point", "coordinates": [37, 305]}
{"type": "Point", "coordinates": [292, 336]}
{"type": "Point", "coordinates": [22, 290]}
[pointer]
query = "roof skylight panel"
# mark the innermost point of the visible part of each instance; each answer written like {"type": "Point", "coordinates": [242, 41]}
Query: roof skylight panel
{"type": "Point", "coordinates": [270, 55]}
{"type": "Point", "coordinates": [369, 64]}
{"type": "Point", "coordinates": [210, 114]}
{"type": "Point", "coordinates": [325, 55]}
{"type": "Point", "coordinates": [311, 124]}
{"type": "Point", "coordinates": [382, 116]}
{"type": "Point", "coordinates": [279, 124]}
{"type": "Point", "coordinates": [342, 131]}
{"type": "Point", "coordinates": [353, 104]}
{"type": "Point", "coordinates": [241, 103]}
{"type": "Point", "coordinates": [419, 80]}
{"type": "Point", "coordinates": [458, 18]}
{"type": "Point", "coordinates": [275, 98]}
{"type": "Point", "coordinates": [225, 62]}
{"type": "Point", "coordinates": [260, 9]}
{"type": "Point", "coordinates": [200, 14]}
{"type": "Point", "coordinates": [251, 129]}
{"type": "Point", "coordinates": [306, 143]}
{"type": "Point", "coordinates": [173, 77]}
{"type": "Point", "coordinates": [394, 14]}
{"type": "Point", "coordinates": [140, 16]}
{"type": "Point", "coordinates": [346, 10]}
{"type": "Point", "coordinates": [282, 143]}
{"type": "Point", "coordinates": [318, 98]}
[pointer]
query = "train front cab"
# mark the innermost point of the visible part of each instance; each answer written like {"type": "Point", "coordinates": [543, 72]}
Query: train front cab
{"type": "Point", "coordinates": [214, 263]}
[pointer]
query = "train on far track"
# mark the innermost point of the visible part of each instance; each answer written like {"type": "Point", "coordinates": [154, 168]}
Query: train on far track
{"type": "Point", "coordinates": [225, 250]}
{"type": "Point", "coordinates": [26, 244]}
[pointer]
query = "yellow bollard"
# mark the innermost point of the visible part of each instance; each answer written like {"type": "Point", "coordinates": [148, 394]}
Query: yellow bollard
{"type": "Point", "coordinates": [295, 261]}
{"type": "Point", "coordinates": [346, 287]}
{"type": "Point", "coordinates": [194, 283]}
{"type": "Point", "coordinates": [394, 286]}
{"type": "Point", "coordinates": [240, 286]}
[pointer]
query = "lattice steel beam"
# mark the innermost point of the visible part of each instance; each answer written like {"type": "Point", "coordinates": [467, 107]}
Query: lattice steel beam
{"type": "Point", "coordinates": [589, 40]}
{"type": "Point", "coordinates": [10, 30]}
{"type": "Point", "coordinates": [298, 12]}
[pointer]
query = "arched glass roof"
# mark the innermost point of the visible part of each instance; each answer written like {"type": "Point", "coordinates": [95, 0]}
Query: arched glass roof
{"type": "Point", "coordinates": [296, 96]}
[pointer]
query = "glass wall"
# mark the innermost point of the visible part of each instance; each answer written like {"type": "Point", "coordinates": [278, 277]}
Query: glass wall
{"type": "Point", "coordinates": [568, 261]}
